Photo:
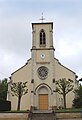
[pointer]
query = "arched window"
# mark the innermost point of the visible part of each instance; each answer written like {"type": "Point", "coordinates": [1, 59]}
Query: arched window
{"type": "Point", "coordinates": [42, 38]}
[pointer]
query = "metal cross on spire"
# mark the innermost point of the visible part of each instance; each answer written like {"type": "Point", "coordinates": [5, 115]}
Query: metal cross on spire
{"type": "Point", "coordinates": [42, 18]}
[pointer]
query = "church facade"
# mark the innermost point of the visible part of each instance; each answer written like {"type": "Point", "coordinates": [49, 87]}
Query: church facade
{"type": "Point", "coordinates": [41, 72]}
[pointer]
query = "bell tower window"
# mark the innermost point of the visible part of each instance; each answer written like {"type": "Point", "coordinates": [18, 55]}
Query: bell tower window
{"type": "Point", "coordinates": [42, 38]}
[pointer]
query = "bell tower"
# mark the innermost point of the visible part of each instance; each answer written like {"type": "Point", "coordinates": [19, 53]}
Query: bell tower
{"type": "Point", "coordinates": [43, 67]}
{"type": "Point", "coordinates": [42, 35]}
{"type": "Point", "coordinates": [42, 41]}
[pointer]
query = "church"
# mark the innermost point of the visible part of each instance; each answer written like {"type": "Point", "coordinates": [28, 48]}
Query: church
{"type": "Point", "coordinates": [41, 72]}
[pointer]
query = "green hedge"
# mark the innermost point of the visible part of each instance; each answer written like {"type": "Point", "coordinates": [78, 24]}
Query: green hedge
{"type": "Point", "coordinates": [5, 105]}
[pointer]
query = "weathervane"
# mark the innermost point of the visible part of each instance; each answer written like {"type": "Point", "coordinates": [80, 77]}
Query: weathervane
{"type": "Point", "coordinates": [42, 18]}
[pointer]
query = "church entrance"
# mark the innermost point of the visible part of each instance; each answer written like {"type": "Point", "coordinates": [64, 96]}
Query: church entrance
{"type": "Point", "coordinates": [43, 101]}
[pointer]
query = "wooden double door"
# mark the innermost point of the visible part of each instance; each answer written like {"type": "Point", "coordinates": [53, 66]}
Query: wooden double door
{"type": "Point", "coordinates": [43, 101]}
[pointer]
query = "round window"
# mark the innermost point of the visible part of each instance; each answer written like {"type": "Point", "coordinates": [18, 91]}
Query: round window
{"type": "Point", "coordinates": [42, 72]}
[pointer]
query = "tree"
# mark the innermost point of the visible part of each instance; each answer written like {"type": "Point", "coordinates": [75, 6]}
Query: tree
{"type": "Point", "coordinates": [77, 102]}
{"type": "Point", "coordinates": [80, 79]}
{"type": "Point", "coordinates": [3, 89]}
{"type": "Point", "coordinates": [19, 89]}
{"type": "Point", "coordinates": [63, 87]}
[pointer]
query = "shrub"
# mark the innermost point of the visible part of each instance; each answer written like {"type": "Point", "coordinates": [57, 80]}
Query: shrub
{"type": "Point", "coordinates": [5, 105]}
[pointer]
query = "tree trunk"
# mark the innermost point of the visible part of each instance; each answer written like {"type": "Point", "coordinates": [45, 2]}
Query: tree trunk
{"type": "Point", "coordinates": [19, 101]}
{"type": "Point", "coordinates": [64, 97]}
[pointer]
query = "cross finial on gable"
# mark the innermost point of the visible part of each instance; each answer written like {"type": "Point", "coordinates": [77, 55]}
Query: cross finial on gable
{"type": "Point", "coordinates": [42, 18]}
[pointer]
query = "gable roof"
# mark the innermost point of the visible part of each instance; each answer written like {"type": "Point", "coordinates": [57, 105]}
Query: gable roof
{"type": "Point", "coordinates": [22, 66]}
{"type": "Point", "coordinates": [64, 66]}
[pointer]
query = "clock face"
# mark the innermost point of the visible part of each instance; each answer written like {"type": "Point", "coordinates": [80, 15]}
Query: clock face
{"type": "Point", "coordinates": [42, 55]}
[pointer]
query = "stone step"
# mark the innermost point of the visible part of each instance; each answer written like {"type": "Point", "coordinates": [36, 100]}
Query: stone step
{"type": "Point", "coordinates": [42, 111]}
{"type": "Point", "coordinates": [43, 116]}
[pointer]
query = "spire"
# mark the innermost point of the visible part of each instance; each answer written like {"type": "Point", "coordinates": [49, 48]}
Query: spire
{"type": "Point", "coordinates": [42, 18]}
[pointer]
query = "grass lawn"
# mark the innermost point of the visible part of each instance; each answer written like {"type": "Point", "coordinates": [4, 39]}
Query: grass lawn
{"type": "Point", "coordinates": [15, 111]}
{"type": "Point", "coordinates": [70, 110]}
{"type": "Point", "coordinates": [57, 110]}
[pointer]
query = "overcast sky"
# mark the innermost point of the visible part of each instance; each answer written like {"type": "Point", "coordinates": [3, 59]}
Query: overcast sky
{"type": "Point", "coordinates": [16, 17]}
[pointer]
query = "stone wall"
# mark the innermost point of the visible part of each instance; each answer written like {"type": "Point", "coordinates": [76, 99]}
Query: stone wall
{"type": "Point", "coordinates": [24, 116]}
{"type": "Point", "coordinates": [13, 116]}
{"type": "Point", "coordinates": [68, 115]}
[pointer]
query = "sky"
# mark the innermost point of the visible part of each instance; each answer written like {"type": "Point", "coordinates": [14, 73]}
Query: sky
{"type": "Point", "coordinates": [16, 17]}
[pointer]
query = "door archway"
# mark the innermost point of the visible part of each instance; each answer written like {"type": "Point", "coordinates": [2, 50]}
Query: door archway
{"type": "Point", "coordinates": [43, 93]}
{"type": "Point", "coordinates": [43, 98]}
